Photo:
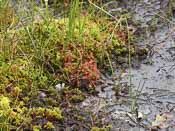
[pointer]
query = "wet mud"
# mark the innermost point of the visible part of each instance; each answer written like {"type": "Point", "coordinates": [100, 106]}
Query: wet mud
{"type": "Point", "coordinates": [153, 81]}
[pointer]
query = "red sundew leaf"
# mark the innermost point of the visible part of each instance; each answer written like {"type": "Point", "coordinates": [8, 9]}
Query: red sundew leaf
{"type": "Point", "coordinates": [122, 35]}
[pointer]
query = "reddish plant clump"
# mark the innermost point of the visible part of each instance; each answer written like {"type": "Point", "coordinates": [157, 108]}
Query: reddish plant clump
{"type": "Point", "coordinates": [86, 75]}
{"type": "Point", "coordinates": [67, 60]}
{"type": "Point", "coordinates": [85, 72]}
{"type": "Point", "coordinates": [122, 35]}
{"type": "Point", "coordinates": [89, 70]}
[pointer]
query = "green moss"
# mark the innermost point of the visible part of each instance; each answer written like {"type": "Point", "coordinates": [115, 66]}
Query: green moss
{"type": "Point", "coordinates": [73, 95]}
{"type": "Point", "coordinates": [49, 113]}
{"type": "Point", "coordinates": [37, 128]}
{"type": "Point", "coordinates": [49, 125]}
{"type": "Point", "coordinates": [98, 129]}
{"type": "Point", "coordinates": [51, 101]}
{"type": "Point", "coordinates": [4, 103]}
{"type": "Point", "coordinates": [76, 98]}
{"type": "Point", "coordinates": [171, 6]}
{"type": "Point", "coordinates": [106, 128]}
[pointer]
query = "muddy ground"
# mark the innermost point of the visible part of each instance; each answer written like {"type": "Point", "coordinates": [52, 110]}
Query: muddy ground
{"type": "Point", "coordinates": [153, 78]}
